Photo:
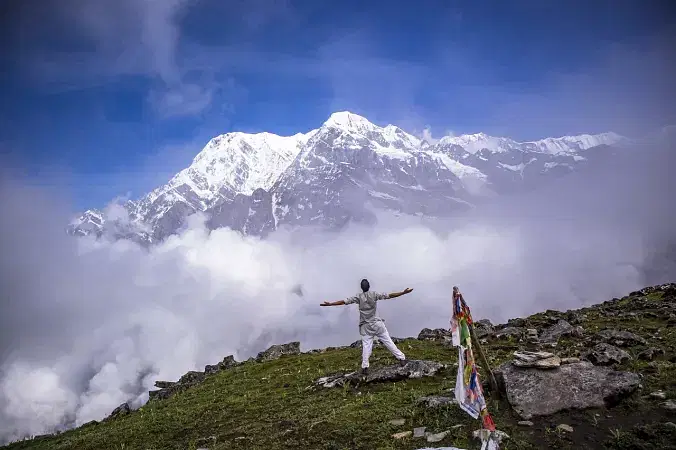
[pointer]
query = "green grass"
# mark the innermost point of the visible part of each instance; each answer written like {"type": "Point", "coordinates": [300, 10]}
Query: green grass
{"type": "Point", "coordinates": [270, 405]}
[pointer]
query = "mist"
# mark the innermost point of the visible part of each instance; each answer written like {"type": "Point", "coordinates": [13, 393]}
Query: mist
{"type": "Point", "coordinates": [86, 325]}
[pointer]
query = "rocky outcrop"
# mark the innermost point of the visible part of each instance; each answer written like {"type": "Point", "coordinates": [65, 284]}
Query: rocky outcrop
{"type": "Point", "coordinates": [650, 354]}
{"type": "Point", "coordinates": [534, 392]}
{"type": "Point", "coordinates": [277, 351]}
{"type": "Point", "coordinates": [438, 334]}
{"type": "Point", "coordinates": [120, 411]}
{"type": "Point", "coordinates": [606, 355]}
{"type": "Point", "coordinates": [227, 363]}
{"type": "Point", "coordinates": [412, 369]}
{"type": "Point", "coordinates": [483, 328]}
{"type": "Point", "coordinates": [510, 332]}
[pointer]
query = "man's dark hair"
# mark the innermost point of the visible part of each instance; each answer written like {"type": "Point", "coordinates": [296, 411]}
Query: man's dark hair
{"type": "Point", "coordinates": [365, 286]}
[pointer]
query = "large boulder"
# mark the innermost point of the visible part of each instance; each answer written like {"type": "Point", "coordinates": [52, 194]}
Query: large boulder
{"type": "Point", "coordinates": [534, 392]}
{"type": "Point", "coordinates": [277, 351]}
{"type": "Point", "coordinates": [560, 329]}
{"type": "Point", "coordinates": [227, 363]}
{"type": "Point", "coordinates": [620, 338]}
{"type": "Point", "coordinates": [438, 334]}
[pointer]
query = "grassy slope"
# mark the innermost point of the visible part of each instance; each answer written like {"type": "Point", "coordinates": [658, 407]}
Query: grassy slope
{"type": "Point", "coordinates": [267, 405]}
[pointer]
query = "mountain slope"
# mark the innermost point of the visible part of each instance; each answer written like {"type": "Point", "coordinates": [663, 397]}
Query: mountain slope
{"type": "Point", "coordinates": [261, 404]}
{"type": "Point", "coordinates": [339, 173]}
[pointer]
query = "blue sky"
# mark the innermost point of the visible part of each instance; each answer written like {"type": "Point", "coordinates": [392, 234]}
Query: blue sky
{"type": "Point", "coordinates": [108, 98]}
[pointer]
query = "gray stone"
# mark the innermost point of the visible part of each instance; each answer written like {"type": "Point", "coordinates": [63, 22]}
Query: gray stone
{"type": "Point", "coordinates": [435, 401]}
{"type": "Point", "coordinates": [412, 369]}
{"type": "Point", "coordinates": [534, 392]}
{"type": "Point", "coordinates": [227, 363]}
{"type": "Point", "coordinates": [650, 354]}
{"type": "Point", "coordinates": [606, 354]}
{"type": "Point", "coordinates": [508, 332]}
{"type": "Point", "coordinates": [565, 427]}
{"type": "Point", "coordinates": [660, 395]}
{"type": "Point", "coordinates": [277, 351]}
{"type": "Point", "coordinates": [438, 334]}
{"type": "Point", "coordinates": [419, 432]}
{"type": "Point", "coordinates": [620, 338]}
{"type": "Point", "coordinates": [120, 411]}
{"type": "Point", "coordinates": [559, 330]}
{"type": "Point", "coordinates": [483, 328]}
{"type": "Point", "coordinates": [526, 423]}
{"type": "Point", "coordinates": [397, 422]}
{"type": "Point", "coordinates": [401, 434]}
{"type": "Point", "coordinates": [541, 360]}
{"type": "Point", "coordinates": [436, 437]}
{"type": "Point", "coordinates": [669, 405]}
{"type": "Point", "coordinates": [570, 360]}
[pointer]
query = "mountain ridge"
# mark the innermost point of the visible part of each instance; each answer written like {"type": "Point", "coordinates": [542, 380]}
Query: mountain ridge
{"type": "Point", "coordinates": [238, 168]}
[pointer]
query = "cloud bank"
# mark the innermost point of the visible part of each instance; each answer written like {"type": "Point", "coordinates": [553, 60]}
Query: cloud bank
{"type": "Point", "coordinates": [87, 325]}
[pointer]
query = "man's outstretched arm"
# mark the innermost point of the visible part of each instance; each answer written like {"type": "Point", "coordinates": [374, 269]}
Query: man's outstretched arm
{"type": "Point", "coordinates": [337, 303]}
{"type": "Point", "coordinates": [399, 294]}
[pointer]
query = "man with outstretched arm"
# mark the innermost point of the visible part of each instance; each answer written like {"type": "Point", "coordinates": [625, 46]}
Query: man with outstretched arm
{"type": "Point", "coordinates": [370, 325]}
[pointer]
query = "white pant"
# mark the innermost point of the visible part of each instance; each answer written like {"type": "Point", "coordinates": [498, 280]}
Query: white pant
{"type": "Point", "coordinates": [367, 346]}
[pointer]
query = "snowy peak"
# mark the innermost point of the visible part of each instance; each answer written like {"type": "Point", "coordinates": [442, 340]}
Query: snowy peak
{"type": "Point", "coordinates": [348, 121]}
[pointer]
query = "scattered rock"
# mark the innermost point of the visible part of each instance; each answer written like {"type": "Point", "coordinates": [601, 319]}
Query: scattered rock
{"type": "Point", "coordinates": [534, 392]}
{"type": "Point", "coordinates": [436, 437]}
{"type": "Point", "coordinates": [540, 360]}
{"type": "Point", "coordinates": [620, 338]}
{"type": "Point", "coordinates": [402, 435]}
{"type": "Point", "coordinates": [483, 328]}
{"type": "Point", "coordinates": [435, 401]}
{"type": "Point", "coordinates": [526, 423]}
{"type": "Point", "coordinates": [571, 360]}
{"type": "Point", "coordinates": [660, 395]}
{"type": "Point", "coordinates": [192, 377]}
{"type": "Point", "coordinates": [227, 363]}
{"type": "Point", "coordinates": [564, 427]}
{"type": "Point", "coordinates": [606, 354]}
{"type": "Point", "coordinates": [419, 432]}
{"type": "Point", "coordinates": [650, 354]}
{"type": "Point", "coordinates": [120, 411]}
{"type": "Point", "coordinates": [561, 329]}
{"type": "Point", "coordinates": [277, 351]}
{"type": "Point", "coordinates": [508, 332]}
{"type": "Point", "coordinates": [397, 422]}
{"type": "Point", "coordinates": [497, 435]}
{"type": "Point", "coordinates": [413, 369]}
{"type": "Point", "coordinates": [438, 334]}
{"type": "Point", "coordinates": [669, 405]}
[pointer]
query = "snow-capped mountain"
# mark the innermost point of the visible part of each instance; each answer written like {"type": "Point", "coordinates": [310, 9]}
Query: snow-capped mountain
{"type": "Point", "coordinates": [338, 173]}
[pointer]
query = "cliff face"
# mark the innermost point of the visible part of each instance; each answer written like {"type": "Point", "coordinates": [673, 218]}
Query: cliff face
{"type": "Point", "coordinates": [598, 377]}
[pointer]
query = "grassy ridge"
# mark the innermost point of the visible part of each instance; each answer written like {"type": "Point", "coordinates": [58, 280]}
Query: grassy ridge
{"type": "Point", "coordinates": [268, 405]}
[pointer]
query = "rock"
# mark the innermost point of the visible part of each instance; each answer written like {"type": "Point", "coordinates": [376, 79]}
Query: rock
{"type": "Point", "coordinates": [526, 423]}
{"type": "Point", "coordinates": [438, 334]}
{"type": "Point", "coordinates": [570, 360]}
{"type": "Point", "coordinates": [650, 354]}
{"type": "Point", "coordinates": [541, 360]}
{"type": "Point", "coordinates": [397, 422]}
{"type": "Point", "coordinates": [483, 328]}
{"type": "Point", "coordinates": [413, 369]}
{"type": "Point", "coordinates": [620, 338]}
{"type": "Point", "coordinates": [532, 336]}
{"type": "Point", "coordinates": [435, 401]}
{"type": "Point", "coordinates": [402, 435]}
{"type": "Point", "coordinates": [437, 436]}
{"type": "Point", "coordinates": [508, 332]}
{"type": "Point", "coordinates": [660, 395]}
{"type": "Point", "coordinates": [561, 329]}
{"type": "Point", "coordinates": [227, 363]}
{"type": "Point", "coordinates": [534, 392]}
{"type": "Point", "coordinates": [164, 384]}
{"type": "Point", "coordinates": [670, 425]}
{"type": "Point", "coordinates": [564, 427]}
{"type": "Point", "coordinates": [669, 405]}
{"type": "Point", "coordinates": [277, 351]}
{"type": "Point", "coordinates": [192, 377]}
{"type": "Point", "coordinates": [606, 354]}
{"type": "Point", "coordinates": [419, 432]}
{"type": "Point", "coordinates": [483, 434]}
{"type": "Point", "coordinates": [120, 411]}
{"type": "Point", "coordinates": [517, 322]}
